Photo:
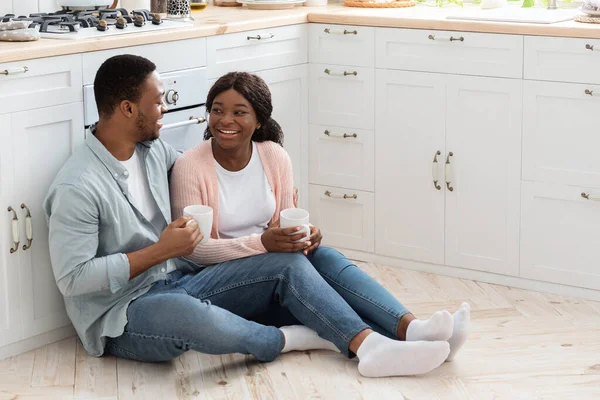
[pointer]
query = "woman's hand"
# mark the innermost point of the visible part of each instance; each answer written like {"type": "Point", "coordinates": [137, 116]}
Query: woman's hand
{"type": "Point", "coordinates": [315, 239]}
{"type": "Point", "coordinates": [279, 240]}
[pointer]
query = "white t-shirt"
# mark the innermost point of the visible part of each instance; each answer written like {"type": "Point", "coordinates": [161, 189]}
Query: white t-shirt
{"type": "Point", "coordinates": [141, 196]}
{"type": "Point", "coordinates": [246, 201]}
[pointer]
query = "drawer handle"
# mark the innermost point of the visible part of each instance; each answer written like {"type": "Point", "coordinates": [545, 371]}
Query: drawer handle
{"type": "Point", "coordinates": [15, 230]}
{"type": "Point", "coordinates": [260, 37]}
{"type": "Point", "coordinates": [14, 71]}
{"type": "Point", "coordinates": [346, 73]}
{"type": "Point", "coordinates": [590, 197]}
{"type": "Point", "coordinates": [339, 196]}
{"type": "Point", "coordinates": [590, 47]}
{"type": "Point", "coordinates": [589, 92]}
{"type": "Point", "coordinates": [450, 39]}
{"type": "Point", "coordinates": [449, 172]}
{"type": "Point", "coordinates": [28, 227]}
{"type": "Point", "coordinates": [341, 32]}
{"type": "Point", "coordinates": [345, 135]}
{"type": "Point", "coordinates": [434, 170]}
{"type": "Point", "coordinates": [191, 121]}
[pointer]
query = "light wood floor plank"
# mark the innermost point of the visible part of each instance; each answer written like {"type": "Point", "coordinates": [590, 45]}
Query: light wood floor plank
{"type": "Point", "coordinates": [96, 378]}
{"type": "Point", "coordinates": [55, 364]}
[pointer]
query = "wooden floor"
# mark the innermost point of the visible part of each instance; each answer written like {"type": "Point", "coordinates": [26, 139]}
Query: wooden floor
{"type": "Point", "coordinates": [523, 345]}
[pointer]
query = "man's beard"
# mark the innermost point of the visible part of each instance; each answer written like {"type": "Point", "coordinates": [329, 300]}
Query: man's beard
{"type": "Point", "coordinates": [146, 132]}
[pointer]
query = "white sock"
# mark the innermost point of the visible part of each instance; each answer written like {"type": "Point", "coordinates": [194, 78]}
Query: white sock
{"type": "Point", "coordinates": [438, 327]}
{"type": "Point", "coordinates": [462, 319]}
{"type": "Point", "coordinates": [300, 337]}
{"type": "Point", "coordinates": [380, 356]}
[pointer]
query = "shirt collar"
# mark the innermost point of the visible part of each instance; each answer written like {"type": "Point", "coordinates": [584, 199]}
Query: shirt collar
{"type": "Point", "coordinates": [113, 165]}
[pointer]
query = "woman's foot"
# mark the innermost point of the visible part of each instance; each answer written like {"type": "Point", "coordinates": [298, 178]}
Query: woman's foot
{"type": "Point", "coordinates": [380, 356]}
{"type": "Point", "coordinates": [438, 327]}
{"type": "Point", "coordinates": [462, 320]}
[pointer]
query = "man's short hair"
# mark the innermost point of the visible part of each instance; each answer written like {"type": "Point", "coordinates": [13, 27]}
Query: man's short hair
{"type": "Point", "coordinates": [120, 78]}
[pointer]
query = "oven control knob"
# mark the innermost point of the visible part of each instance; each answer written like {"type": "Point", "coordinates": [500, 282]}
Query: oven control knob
{"type": "Point", "coordinates": [172, 97]}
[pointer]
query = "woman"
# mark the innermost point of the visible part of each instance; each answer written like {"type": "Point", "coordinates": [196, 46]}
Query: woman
{"type": "Point", "coordinates": [243, 173]}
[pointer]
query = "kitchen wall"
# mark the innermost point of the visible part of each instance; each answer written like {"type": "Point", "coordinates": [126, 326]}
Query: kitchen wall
{"type": "Point", "coordinates": [26, 7]}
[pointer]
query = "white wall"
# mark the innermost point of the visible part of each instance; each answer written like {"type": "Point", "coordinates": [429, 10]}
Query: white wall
{"type": "Point", "coordinates": [26, 7]}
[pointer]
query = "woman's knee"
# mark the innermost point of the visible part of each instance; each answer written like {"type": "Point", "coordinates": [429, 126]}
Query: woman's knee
{"type": "Point", "coordinates": [328, 261]}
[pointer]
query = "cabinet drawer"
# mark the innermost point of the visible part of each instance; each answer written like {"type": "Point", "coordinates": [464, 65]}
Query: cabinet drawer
{"type": "Point", "coordinates": [449, 52]}
{"type": "Point", "coordinates": [560, 133]}
{"type": "Point", "coordinates": [168, 56]}
{"type": "Point", "coordinates": [341, 45]}
{"type": "Point", "coordinates": [257, 50]}
{"type": "Point", "coordinates": [562, 59]}
{"type": "Point", "coordinates": [341, 96]}
{"type": "Point", "coordinates": [559, 234]}
{"type": "Point", "coordinates": [40, 83]}
{"type": "Point", "coordinates": [341, 157]}
{"type": "Point", "coordinates": [344, 222]}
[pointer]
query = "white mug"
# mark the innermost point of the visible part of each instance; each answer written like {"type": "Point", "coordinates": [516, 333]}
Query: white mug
{"type": "Point", "coordinates": [203, 215]}
{"type": "Point", "coordinates": [293, 217]}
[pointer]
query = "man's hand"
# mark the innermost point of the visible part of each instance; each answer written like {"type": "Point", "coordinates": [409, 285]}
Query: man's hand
{"type": "Point", "coordinates": [315, 239]}
{"type": "Point", "coordinates": [279, 240]}
{"type": "Point", "coordinates": [180, 237]}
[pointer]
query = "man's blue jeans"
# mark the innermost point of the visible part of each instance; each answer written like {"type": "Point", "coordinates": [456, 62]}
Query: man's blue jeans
{"type": "Point", "coordinates": [212, 311]}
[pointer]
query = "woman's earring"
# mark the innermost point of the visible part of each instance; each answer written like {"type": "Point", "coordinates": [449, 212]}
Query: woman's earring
{"type": "Point", "coordinates": [258, 126]}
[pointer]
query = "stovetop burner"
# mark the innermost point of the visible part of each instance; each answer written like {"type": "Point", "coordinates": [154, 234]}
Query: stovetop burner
{"type": "Point", "coordinates": [66, 20]}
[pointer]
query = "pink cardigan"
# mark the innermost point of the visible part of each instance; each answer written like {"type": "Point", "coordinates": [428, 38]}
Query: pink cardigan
{"type": "Point", "coordinates": [194, 181]}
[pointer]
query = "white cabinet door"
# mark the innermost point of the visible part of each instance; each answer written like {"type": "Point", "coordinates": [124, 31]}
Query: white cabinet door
{"type": "Point", "coordinates": [341, 157]}
{"type": "Point", "coordinates": [10, 300]}
{"type": "Point", "coordinates": [289, 93]}
{"type": "Point", "coordinates": [483, 132]}
{"type": "Point", "coordinates": [560, 133]}
{"type": "Point", "coordinates": [43, 140]}
{"type": "Point", "coordinates": [559, 234]}
{"type": "Point", "coordinates": [341, 45]}
{"type": "Point", "coordinates": [410, 126]}
{"type": "Point", "coordinates": [345, 217]}
{"type": "Point", "coordinates": [341, 96]}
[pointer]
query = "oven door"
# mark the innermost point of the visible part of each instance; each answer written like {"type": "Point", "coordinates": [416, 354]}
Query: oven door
{"type": "Point", "coordinates": [184, 129]}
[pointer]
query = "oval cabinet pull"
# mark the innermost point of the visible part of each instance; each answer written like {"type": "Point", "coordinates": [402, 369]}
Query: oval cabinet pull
{"type": "Point", "coordinates": [15, 230]}
{"type": "Point", "coordinates": [449, 172]}
{"type": "Point", "coordinates": [28, 227]}
{"type": "Point", "coordinates": [434, 170]}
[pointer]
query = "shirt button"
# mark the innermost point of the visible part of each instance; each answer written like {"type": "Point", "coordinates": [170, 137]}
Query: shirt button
{"type": "Point", "coordinates": [163, 270]}
{"type": "Point", "coordinates": [126, 173]}
{"type": "Point", "coordinates": [115, 174]}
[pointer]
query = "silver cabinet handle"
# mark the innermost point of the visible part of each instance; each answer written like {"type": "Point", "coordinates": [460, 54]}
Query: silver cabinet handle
{"type": "Point", "coordinates": [340, 196]}
{"type": "Point", "coordinates": [14, 71]}
{"type": "Point", "coordinates": [191, 121]}
{"type": "Point", "coordinates": [588, 196]}
{"type": "Point", "coordinates": [260, 37]}
{"type": "Point", "coordinates": [28, 227]}
{"type": "Point", "coordinates": [434, 170]}
{"type": "Point", "coordinates": [590, 47]}
{"type": "Point", "coordinates": [345, 135]}
{"type": "Point", "coordinates": [341, 31]}
{"type": "Point", "coordinates": [15, 230]}
{"type": "Point", "coordinates": [589, 92]}
{"type": "Point", "coordinates": [449, 172]}
{"type": "Point", "coordinates": [447, 38]}
{"type": "Point", "coordinates": [346, 73]}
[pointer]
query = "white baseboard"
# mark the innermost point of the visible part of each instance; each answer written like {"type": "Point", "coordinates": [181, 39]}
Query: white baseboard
{"type": "Point", "coordinates": [32, 343]}
{"type": "Point", "coordinates": [488, 277]}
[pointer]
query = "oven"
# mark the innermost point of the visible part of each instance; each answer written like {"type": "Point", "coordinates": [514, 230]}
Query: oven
{"type": "Point", "coordinates": [185, 95]}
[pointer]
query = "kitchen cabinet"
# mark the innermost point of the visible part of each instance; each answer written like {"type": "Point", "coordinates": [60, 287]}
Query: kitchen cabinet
{"type": "Point", "coordinates": [447, 187]}
{"type": "Point", "coordinates": [36, 143]}
{"type": "Point", "coordinates": [289, 94]}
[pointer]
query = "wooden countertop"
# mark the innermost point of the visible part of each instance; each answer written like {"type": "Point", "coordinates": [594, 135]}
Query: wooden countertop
{"type": "Point", "coordinates": [222, 20]}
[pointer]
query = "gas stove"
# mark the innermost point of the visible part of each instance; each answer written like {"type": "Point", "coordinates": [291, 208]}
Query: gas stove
{"type": "Point", "coordinates": [95, 23]}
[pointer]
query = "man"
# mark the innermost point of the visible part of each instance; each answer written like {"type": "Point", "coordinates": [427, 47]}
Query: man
{"type": "Point", "coordinates": [111, 241]}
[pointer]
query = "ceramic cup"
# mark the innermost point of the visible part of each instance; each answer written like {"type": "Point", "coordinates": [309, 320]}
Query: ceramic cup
{"type": "Point", "coordinates": [293, 217]}
{"type": "Point", "coordinates": [203, 215]}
